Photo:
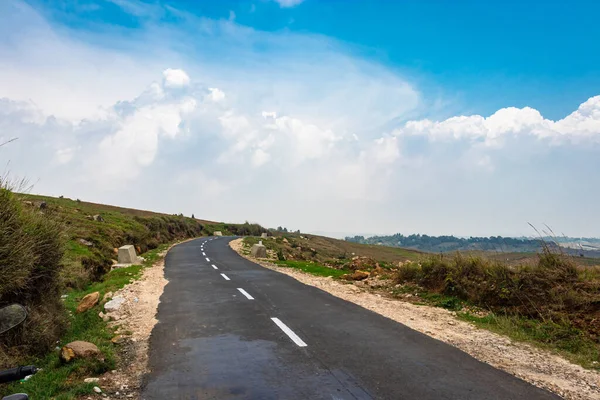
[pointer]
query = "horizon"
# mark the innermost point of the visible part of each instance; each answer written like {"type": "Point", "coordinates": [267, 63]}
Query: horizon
{"type": "Point", "coordinates": [467, 119]}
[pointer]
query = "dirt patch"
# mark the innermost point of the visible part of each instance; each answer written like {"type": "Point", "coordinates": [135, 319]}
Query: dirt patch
{"type": "Point", "coordinates": [135, 320]}
{"type": "Point", "coordinates": [536, 366]}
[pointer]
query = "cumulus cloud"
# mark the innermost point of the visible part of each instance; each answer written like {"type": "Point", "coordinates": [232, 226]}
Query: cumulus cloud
{"type": "Point", "coordinates": [583, 124]}
{"type": "Point", "coordinates": [176, 78]}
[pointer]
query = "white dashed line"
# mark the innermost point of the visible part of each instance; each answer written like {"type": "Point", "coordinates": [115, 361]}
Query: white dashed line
{"type": "Point", "coordinates": [289, 332]}
{"type": "Point", "coordinates": [225, 277]}
{"type": "Point", "coordinates": [214, 266]}
{"type": "Point", "coordinates": [203, 253]}
{"type": "Point", "coordinates": [242, 291]}
{"type": "Point", "coordinates": [207, 259]}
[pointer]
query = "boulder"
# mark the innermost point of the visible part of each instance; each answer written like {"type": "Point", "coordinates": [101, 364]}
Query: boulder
{"type": "Point", "coordinates": [218, 233]}
{"type": "Point", "coordinates": [357, 276]}
{"type": "Point", "coordinates": [127, 255]}
{"type": "Point", "coordinates": [98, 218]}
{"type": "Point", "coordinates": [88, 302]}
{"type": "Point", "coordinates": [104, 317]}
{"type": "Point", "coordinates": [115, 304]}
{"type": "Point", "coordinates": [258, 250]}
{"type": "Point", "coordinates": [42, 205]}
{"type": "Point", "coordinates": [80, 349]}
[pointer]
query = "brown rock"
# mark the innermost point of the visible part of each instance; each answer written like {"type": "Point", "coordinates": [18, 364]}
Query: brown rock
{"type": "Point", "coordinates": [115, 250]}
{"type": "Point", "coordinates": [88, 302]}
{"type": "Point", "coordinates": [357, 276]}
{"type": "Point", "coordinates": [138, 249]}
{"type": "Point", "coordinates": [80, 349]}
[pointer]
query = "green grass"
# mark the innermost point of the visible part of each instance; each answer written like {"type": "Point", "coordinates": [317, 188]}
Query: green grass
{"type": "Point", "coordinates": [428, 298]}
{"type": "Point", "coordinates": [65, 381]}
{"type": "Point", "coordinates": [313, 268]}
{"type": "Point", "coordinates": [563, 339]}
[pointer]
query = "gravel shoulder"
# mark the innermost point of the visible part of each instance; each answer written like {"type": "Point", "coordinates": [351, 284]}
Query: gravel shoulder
{"type": "Point", "coordinates": [536, 366]}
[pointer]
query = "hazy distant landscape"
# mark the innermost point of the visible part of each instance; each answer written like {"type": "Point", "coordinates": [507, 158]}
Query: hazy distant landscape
{"type": "Point", "coordinates": [588, 247]}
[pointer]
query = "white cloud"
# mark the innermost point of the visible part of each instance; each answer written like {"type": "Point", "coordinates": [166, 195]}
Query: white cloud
{"type": "Point", "coordinates": [260, 157]}
{"type": "Point", "coordinates": [583, 124]}
{"type": "Point", "coordinates": [176, 78]}
{"type": "Point", "coordinates": [216, 94]}
{"type": "Point", "coordinates": [288, 3]}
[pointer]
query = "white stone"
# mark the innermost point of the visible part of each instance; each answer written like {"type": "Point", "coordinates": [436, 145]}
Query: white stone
{"type": "Point", "coordinates": [115, 304]}
{"type": "Point", "coordinates": [218, 233]}
{"type": "Point", "coordinates": [127, 254]}
{"type": "Point", "coordinates": [97, 389]}
{"type": "Point", "coordinates": [91, 380]}
{"type": "Point", "coordinates": [258, 251]}
{"type": "Point", "coordinates": [264, 235]}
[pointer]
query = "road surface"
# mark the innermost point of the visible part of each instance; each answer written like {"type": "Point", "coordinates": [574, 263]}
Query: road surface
{"type": "Point", "coordinates": [231, 329]}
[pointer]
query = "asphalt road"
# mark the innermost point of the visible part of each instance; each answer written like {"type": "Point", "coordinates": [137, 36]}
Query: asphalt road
{"type": "Point", "coordinates": [280, 339]}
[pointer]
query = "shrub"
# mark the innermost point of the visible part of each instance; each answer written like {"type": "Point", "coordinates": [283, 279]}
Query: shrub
{"type": "Point", "coordinates": [31, 249]}
{"type": "Point", "coordinates": [553, 289]}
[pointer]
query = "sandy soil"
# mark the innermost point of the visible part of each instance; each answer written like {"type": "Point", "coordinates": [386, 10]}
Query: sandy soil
{"type": "Point", "coordinates": [531, 364]}
{"type": "Point", "coordinates": [134, 321]}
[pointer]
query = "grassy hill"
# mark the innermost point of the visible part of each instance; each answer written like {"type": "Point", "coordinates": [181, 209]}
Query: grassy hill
{"type": "Point", "coordinates": [92, 232]}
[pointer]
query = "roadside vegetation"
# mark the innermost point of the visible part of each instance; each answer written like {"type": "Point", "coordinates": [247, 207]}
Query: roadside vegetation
{"type": "Point", "coordinates": [63, 381]}
{"type": "Point", "coordinates": [548, 299]}
{"type": "Point", "coordinates": [552, 302]}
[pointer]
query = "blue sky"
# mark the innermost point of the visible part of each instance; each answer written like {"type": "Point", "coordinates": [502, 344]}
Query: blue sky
{"type": "Point", "coordinates": [466, 118]}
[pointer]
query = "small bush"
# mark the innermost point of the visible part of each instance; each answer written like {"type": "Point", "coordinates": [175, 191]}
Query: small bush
{"type": "Point", "coordinates": [553, 289]}
{"type": "Point", "coordinates": [31, 249]}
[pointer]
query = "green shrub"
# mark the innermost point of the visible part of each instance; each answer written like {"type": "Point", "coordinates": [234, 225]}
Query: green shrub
{"type": "Point", "coordinates": [31, 249]}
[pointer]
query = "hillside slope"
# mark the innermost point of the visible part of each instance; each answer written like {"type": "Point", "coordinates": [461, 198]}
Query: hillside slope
{"type": "Point", "coordinates": [93, 232]}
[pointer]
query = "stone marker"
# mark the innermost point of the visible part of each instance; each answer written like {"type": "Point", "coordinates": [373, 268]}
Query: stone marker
{"type": "Point", "coordinates": [127, 254]}
{"type": "Point", "coordinates": [264, 235]}
{"type": "Point", "coordinates": [218, 233]}
{"type": "Point", "coordinates": [259, 250]}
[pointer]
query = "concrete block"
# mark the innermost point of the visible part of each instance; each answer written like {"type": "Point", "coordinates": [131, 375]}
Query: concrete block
{"type": "Point", "coordinates": [127, 254]}
{"type": "Point", "coordinates": [264, 235]}
{"type": "Point", "coordinates": [258, 250]}
{"type": "Point", "coordinates": [218, 233]}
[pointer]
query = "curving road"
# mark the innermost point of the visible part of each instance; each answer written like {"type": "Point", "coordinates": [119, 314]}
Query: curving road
{"type": "Point", "coordinates": [231, 329]}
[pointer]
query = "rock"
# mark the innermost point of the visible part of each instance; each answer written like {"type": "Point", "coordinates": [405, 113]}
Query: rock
{"type": "Point", "coordinates": [451, 323]}
{"type": "Point", "coordinates": [264, 235]}
{"type": "Point", "coordinates": [85, 242]}
{"type": "Point", "coordinates": [258, 251]}
{"type": "Point", "coordinates": [138, 249]}
{"type": "Point", "coordinates": [218, 233]}
{"type": "Point", "coordinates": [91, 380]}
{"type": "Point", "coordinates": [97, 389]}
{"type": "Point", "coordinates": [107, 295]}
{"type": "Point", "coordinates": [115, 250]}
{"type": "Point", "coordinates": [118, 339]}
{"type": "Point", "coordinates": [104, 317]}
{"type": "Point", "coordinates": [29, 203]}
{"type": "Point", "coordinates": [115, 304]}
{"type": "Point", "coordinates": [42, 205]}
{"type": "Point", "coordinates": [80, 349]}
{"type": "Point", "coordinates": [98, 218]}
{"type": "Point", "coordinates": [285, 240]}
{"type": "Point", "coordinates": [127, 254]}
{"type": "Point", "coordinates": [88, 302]}
{"type": "Point", "coordinates": [357, 276]}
